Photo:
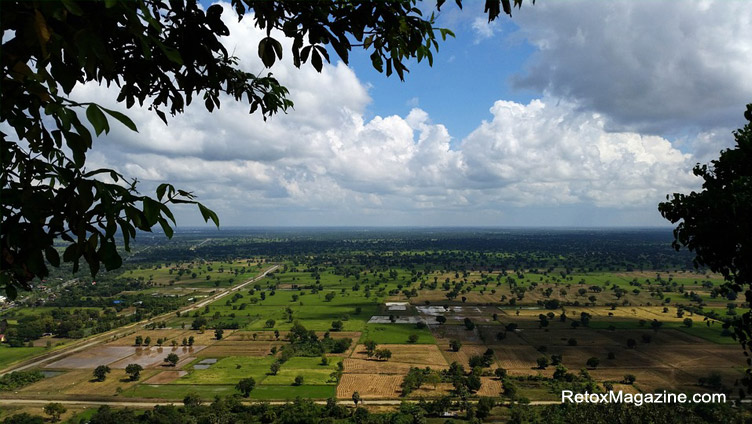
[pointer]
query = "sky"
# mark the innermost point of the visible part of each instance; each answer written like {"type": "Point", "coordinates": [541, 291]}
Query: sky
{"type": "Point", "coordinates": [570, 113]}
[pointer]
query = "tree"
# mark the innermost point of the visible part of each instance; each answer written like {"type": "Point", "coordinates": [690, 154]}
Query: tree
{"type": "Point", "coordinates": [356, 398]}
{"type": "Point", "coordinates": [542, 362]}
{"type": "Point", "coordinates": [716, 223]}
{"type": "Point", "coordinates": [298, 380]}
{"type": "Point", "coordinates": [139, 341]}
{"type": "Point", "coordinates": [412, 338]}
{"type": "Point", "coordinates": [329, 296]}
{"type": "Point", "coordinates": [500, 373]}
{"type": "Point", "coordinates": [274, 367]}
{"type": "Point", "coordinates": [246, 386]}
{"type": "Point", "coordinates": [370, 347]}
{"type": "Point", "coordinates": [100, 372]}
{"type": "Point", "coordinates": [455, 345]}
{"type": "Point", "coordinates": [163, 54]}
{"type": "Point", "coordinates": [441, 319]}
{"type": "Point", "coordinates": [134, 371]}
{"type": "Point", "coordinates": [192, 399]}
{"type": "Point", "coordinates": [218, 333]}
{"type": "Point", "coordinates": [629, 378]}
{"type": "Point", "coordinates": [147, 341]}
{"type": "Point", "coordinates": [270, 323]}
{"type": "Point", "coordinates": [337, 325]}
{"type": "Point", "coordinates": [55, 410]}
{"type": "Point", "coordinates": [383, 354]}
{"type": "Point", "coordinates": [687, 322]}
{"type": "Point", "coordinates": [631, 343]}
{"type": "Point", "coordinates": [172, 359]}
{"type": "Point", "coordinates": [593, 362]}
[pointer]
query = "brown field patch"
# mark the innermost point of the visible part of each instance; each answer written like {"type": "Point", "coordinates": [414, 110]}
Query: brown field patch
{"type": "Point", "coordinates": [165, 377]}
{"type": "Point", "coordinates": [445, 333]}
{"type": "Point", "coordinates": [370, 386]}
{"type": "Point", "coordinates": [154, 357]}
{"type": "Point", "coordinates": [419, 355]}
{"type": "Point", "coordinates": [584, 337]}
{"type": "Point", "coordinates": [361, 366]}
{"type": "Point", "coordinates": [489, 387]}
{"type": "Point", "coordinates": [93, 357]}
{"type": "Point", "coordinates": [223, 349]}
{"type": "Point", "coordinates": [166, 334]}
{"type": "Point", "coordinates": [84, 386]}
{"type": "Point", "coordinates": [463, 356]}
{"type": "Point", "coordinates": [517, 359]}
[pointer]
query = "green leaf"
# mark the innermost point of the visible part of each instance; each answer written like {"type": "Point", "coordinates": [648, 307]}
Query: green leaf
{"type": "Point", "coordinates": [316, 60]}
{"type": "Point", "coordinates": [10, 291]}
{"type": "Point", "coordinates": [125, 120]}
{"type": "Point", "coordinates": [208, 214]}
{"type": "Point", "coordinates": [97, 119]}
{"type": "Point", "coordinates": [269, 50]}
{"type": "Point", "coordinates": [166, 227]}
{"type": "Point", "coordinates": [52, 256]}
{"type": "Point", "coordinates": [161, 189]}
{"type": "Point", "coordinates": [110, 256]}
{"type": "Point", "coordinates": [72, 7]}
{"type": "Point", "coordinates": [151, 210]}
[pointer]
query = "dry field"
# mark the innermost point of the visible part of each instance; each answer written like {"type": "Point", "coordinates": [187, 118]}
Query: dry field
{"type": "Point", "coordinates": [229, 348]}
{"type": "Point", "coordinates": [417, 355]}
{"type": "Point", "coordinates": [361, 366]}
{"type": "Point", "coordinates": [463, 356]}
{"type": "Point", "coordinates": [153, 357]}
{"type": "Point", "coordinates": [79, 382]}
{"type": "Point", "coordinates": [370, 386]}
{"type": "Point", "coordinates": [445, 333]}
{"type": "Point", "coordinates": [93, 357]}
{"type": "Point", "coordinates": [489, 387]}
{"type": "Point", "coordinates": [518, 360]}
{"type": "Point", "coordinates": [165, 377]}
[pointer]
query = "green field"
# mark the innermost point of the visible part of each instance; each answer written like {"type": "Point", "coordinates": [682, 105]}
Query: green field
{"type": "Point", "coordinates": [10, 355]}
{"type": "Point", "coordinates": [228, 370]}
{"type": "Point", "coordinates": [395, 334]}
{"type": "Point", "coordinates": [310, 369]}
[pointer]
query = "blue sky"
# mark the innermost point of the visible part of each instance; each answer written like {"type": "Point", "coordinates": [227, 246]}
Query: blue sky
{"type": "Point", "coordinates": [577, 113]}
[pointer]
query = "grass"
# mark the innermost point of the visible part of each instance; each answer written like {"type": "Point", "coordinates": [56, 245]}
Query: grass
{"type": "Point", "coordinates": [11, 355]}
{"type": "Point", "coordinates": [395, 334]}
{"type": "Point", "coordinates": [711, 334]}
{"type": "Point", "coordinates": [226, 371]}
{"type": "Point", "coordinates": [310, 369]}
{"type": "Point", "coordinates": [178, 391]}
{"type": "Point", "coordinates": [265, 392]}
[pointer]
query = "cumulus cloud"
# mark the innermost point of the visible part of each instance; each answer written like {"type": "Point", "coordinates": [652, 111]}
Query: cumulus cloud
{"type": "Point", "coordinates": [326, 163]}
{"type": "Point", "coordinates": [649, 66]}
{"type": "Point", "coordinates": [483, 29]}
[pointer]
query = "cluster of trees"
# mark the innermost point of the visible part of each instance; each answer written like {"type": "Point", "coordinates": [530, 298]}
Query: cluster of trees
{"type": "Point", "coordinates": [18, 379]}
{"type": "Point", "coordinates": [372, 351]}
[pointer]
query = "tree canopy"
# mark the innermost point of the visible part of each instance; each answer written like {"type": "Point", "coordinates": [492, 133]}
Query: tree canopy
{"type": "Point", "coordinates": [162, 56]}
{"type": "Point", "coordinates": [716, 223]}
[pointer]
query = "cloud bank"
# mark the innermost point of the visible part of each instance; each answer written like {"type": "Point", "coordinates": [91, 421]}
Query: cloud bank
{"type": "Point", "coordinates": [570, 157]}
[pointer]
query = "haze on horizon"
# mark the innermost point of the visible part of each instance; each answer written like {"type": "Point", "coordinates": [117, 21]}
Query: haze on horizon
{"type": "Point", "coordinates": [570, 114]}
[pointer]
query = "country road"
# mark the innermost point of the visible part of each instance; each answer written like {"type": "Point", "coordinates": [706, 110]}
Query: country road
{"type": "Point", "coordinates": [147, 404]}
{"type": "Point", "coordinates": [101, 338]}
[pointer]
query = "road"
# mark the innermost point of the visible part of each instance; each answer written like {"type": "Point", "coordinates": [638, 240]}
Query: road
{"type": "Point", "coordinates": [103, 337]}
{"type": "Point", "coordinates": [147, 404]}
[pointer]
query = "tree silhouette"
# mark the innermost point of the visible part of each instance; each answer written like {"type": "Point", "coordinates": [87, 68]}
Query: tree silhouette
{"type": "Point", "coordinates": [162, 55]}
{"type": "Point", "coordinates": [716, 224]}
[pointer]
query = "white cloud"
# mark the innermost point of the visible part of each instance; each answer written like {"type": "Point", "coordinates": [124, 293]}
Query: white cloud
{"type": "Point", "coordinates": [325, 163]}
{"type": "Point", "coordinates": [649, 66]}
{"type": "Point", "coordinates": [483, 29]}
